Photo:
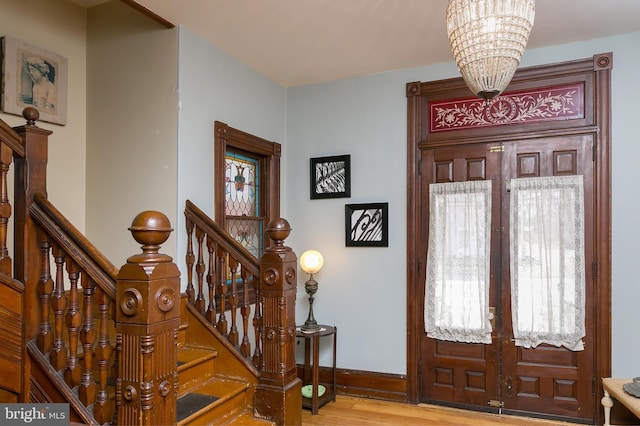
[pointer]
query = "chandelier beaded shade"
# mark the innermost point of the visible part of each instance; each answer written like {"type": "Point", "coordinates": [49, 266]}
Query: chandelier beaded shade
{"type": "Point", "coordinates": [487, 39]}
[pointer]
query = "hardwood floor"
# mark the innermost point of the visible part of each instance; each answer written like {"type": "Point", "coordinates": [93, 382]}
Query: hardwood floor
{"type": "Point", "coordinates": [351, 411]}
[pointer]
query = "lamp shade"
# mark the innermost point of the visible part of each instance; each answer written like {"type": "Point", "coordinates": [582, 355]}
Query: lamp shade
{"type": "Point", "coordinates": [311, 261]}
{"type": "Point", "coordinates": [487, 39]}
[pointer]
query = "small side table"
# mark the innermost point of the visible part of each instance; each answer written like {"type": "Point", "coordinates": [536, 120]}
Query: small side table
{"type": "Point", "coordinates": [613, 388]}
{"type": "Point", "coordinates": [312, 367]}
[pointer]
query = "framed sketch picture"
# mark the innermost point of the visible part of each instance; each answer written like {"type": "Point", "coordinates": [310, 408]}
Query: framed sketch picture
{"type": "Point", "coordinates": [366, 225]}
{"type": "Point", "coordinates": [331, 177]}
{"type": "Point", "coordinates": [33, 77]}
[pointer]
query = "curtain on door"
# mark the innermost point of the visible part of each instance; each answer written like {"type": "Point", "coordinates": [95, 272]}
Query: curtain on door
{"type": "Point", "coordinates": [547, 261]}
{"type": "Point", "coordinates": [457, 284]}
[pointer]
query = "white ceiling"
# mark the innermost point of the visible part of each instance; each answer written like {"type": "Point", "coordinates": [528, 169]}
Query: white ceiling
{"type": "Point", "coordinates": [296, 42]}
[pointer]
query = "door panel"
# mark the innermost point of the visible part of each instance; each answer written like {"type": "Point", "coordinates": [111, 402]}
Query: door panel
{"type": "Point", "coordinates": [547, 379]}
{"type": "Point", "coordinates": [544, 380]}
{"type": "Point", "coordinates": [461, 373]}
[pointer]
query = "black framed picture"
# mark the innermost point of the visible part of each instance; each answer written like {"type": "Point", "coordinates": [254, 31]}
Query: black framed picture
{"type": "Point", "coordinates": [366, 225]}
{"type": "Point", "coordinates": [331, 177]}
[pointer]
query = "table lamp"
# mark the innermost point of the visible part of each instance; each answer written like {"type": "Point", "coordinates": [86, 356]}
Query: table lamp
{"type": "Point", "coordinates": [311, 262]}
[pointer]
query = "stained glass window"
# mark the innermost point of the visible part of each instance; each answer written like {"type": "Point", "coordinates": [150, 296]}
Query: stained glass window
{"type": "Point", "coordinates": [242, 198]}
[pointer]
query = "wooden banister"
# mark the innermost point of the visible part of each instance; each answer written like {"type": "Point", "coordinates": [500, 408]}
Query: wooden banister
{"type": "Point", "coordinates": [235, 249]}
{"type": "Point", "coordinates": [75, 244]}
{"type": "Point", "coordinates": [10, 146]}
{"type": "Point", "coordinates": [74, 301]}
{"type": "Point", "coordinates": [229, 272]}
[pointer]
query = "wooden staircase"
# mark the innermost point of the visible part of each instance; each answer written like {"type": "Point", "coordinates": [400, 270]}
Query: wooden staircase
{"type": "Point", "coordinates": [211, 391]}
{"type": "Point", "coordinates": [210, 397]}
{"type": "Point", "coordinates": [125, 344]}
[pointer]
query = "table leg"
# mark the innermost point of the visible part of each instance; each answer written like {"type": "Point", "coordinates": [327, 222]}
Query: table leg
{"type": "Point", "coordinates": [607, 403]}
{"type": "Point", "coordinates": [315, 372]}
{"type": "Point", "coordinates": [306, 376]}
{"type": "Point", "coordinates": [335, 337]}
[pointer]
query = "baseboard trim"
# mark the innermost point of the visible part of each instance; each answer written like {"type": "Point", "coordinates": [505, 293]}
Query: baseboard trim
{"type": "Point", "coordinates": [366, 384]}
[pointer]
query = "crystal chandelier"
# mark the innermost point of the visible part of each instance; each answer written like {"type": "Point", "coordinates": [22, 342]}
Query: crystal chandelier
{"type": "Point", "coordinates": [487, 39]}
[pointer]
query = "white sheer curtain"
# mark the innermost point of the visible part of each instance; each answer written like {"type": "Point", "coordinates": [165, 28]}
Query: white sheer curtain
{"type": "Point", "coordinates": [457, 285]}
{"type": "Point", "coordinates": [547, 261]}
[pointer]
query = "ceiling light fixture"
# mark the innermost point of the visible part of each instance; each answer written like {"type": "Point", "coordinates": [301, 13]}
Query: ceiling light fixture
{"type": "Point", "coordinates": [487, 39]}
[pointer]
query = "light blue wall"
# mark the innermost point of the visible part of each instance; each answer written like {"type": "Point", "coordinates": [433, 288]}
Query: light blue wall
{"type": "Point", "coordinates": [213, 86]}
{"type": "Point", "coordinates": [363, 290]}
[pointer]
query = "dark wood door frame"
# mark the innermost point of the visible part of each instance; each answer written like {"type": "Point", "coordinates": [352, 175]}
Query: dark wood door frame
{"type": "Point", "coordinates": [266, 151]}
{"type": "Point", "coordinates": [595, 76]}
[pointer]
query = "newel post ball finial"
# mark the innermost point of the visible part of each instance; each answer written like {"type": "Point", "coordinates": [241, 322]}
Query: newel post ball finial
{"type": "Point", "coordinates": [278, 230]}
{"type": "Point", "coordinates": [31, 114]}
{"type": "Point", "coordinates": [150, 229]}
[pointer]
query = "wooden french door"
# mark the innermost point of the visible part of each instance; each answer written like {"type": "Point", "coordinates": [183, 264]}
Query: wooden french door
{"type": "Point", "coordinates": [545, 380]}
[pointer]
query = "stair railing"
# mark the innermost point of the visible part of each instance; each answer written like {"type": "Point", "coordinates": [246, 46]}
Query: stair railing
{"type": "Point", "coordinates": [222, 281]}
{"type": "Point", "coordinates": [105, 338]}
{"type": "Point", "coordinates": [76, 311]}
{"type": "Point", "coordinates": [11, 290]}
{"type": "Point", "coordinates": [237, 281]}
{"type": "Point", "coordinates": [69, 308]}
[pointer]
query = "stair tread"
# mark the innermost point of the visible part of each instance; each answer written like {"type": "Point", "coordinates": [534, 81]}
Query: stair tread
{"type": "Point", "coordinates": [211, 394]}
{"type": "Point", "coordinates": [193, 355]}
{"type": "Point", "coordinates": [246, 418]}
{"type": "Point", "coordinates": [192, 403]}
{"type": "Point", "coordinates": [221, 387]}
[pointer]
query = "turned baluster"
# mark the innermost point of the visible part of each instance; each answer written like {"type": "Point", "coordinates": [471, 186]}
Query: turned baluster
{"type": "Point", "coordinates": [58, 356]}
{"type": "Point", "coordinates": [221, 325]}
{"type": "Point", "coordinates": [6, 157]}
{"type": "Point", "coordinates": [245, 312]}
{"type": "Point", "coordinates": [103, 352]}
{"type": "Point", "coordinates": [257, 324]}
{"type": "Point", "coordinates": [72, 374]}
{"type": "Point", "coordinates": [87, 389]}
{"type": "Point", "coordinates": [45, 288]}
{"type": "Point", "coordinates": [200, 303]}
{"type": "Point", "coordinates": [233, 302]}
{"type": "Point", "coordinates": [211, 274]}
{"type": "Point", "coordinates": [190, 259]}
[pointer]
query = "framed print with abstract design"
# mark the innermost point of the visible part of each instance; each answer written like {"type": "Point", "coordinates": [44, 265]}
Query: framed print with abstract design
{"type": "Point", "coordinates": [33, 77]}
{"type": "Point", "coordinates": [331, 177]}
{"type": "Point", "coordinates": [366, 225]}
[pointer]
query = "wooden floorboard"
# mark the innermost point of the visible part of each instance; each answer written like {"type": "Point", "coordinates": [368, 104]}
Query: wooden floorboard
{"type": "Point", "coordinates": [350, 411]}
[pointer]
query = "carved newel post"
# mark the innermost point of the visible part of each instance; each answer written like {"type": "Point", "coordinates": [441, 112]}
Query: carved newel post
{"type": "Point", "coordinates": [147, 322]}
{"type": "Point", "coordinates": [278, 396]}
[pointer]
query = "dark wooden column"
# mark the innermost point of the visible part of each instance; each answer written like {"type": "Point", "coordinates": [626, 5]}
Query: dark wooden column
{"type": "Point", "coordinates": [30, 179]}
{"type": "Point", "coordinates": [147, 321]}
{"type": "Point", "coordinates": [278, 396]}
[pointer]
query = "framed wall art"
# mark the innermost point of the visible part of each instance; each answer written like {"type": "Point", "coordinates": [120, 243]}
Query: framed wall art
{"type": "Point", "coordinates": [33, 77]}
{"type": "Point", "coordinates": [366, 225]}
{"type": "Point", "coordinates": [330, 177]}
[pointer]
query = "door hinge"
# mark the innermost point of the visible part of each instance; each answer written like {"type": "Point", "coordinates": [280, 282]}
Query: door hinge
{"type": "Point", "coordinates": [593, 151]}
{"type": "Point", "coordinates": [594, 270]}
{"type": "Point", "coordinates": [419, 167]}
{"type": "Point", "coordinates": [593, 386]}
{"type": "Point", "coordinates": [495, 403]}
{"type": "Point", "coordinates": [496, 148]}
